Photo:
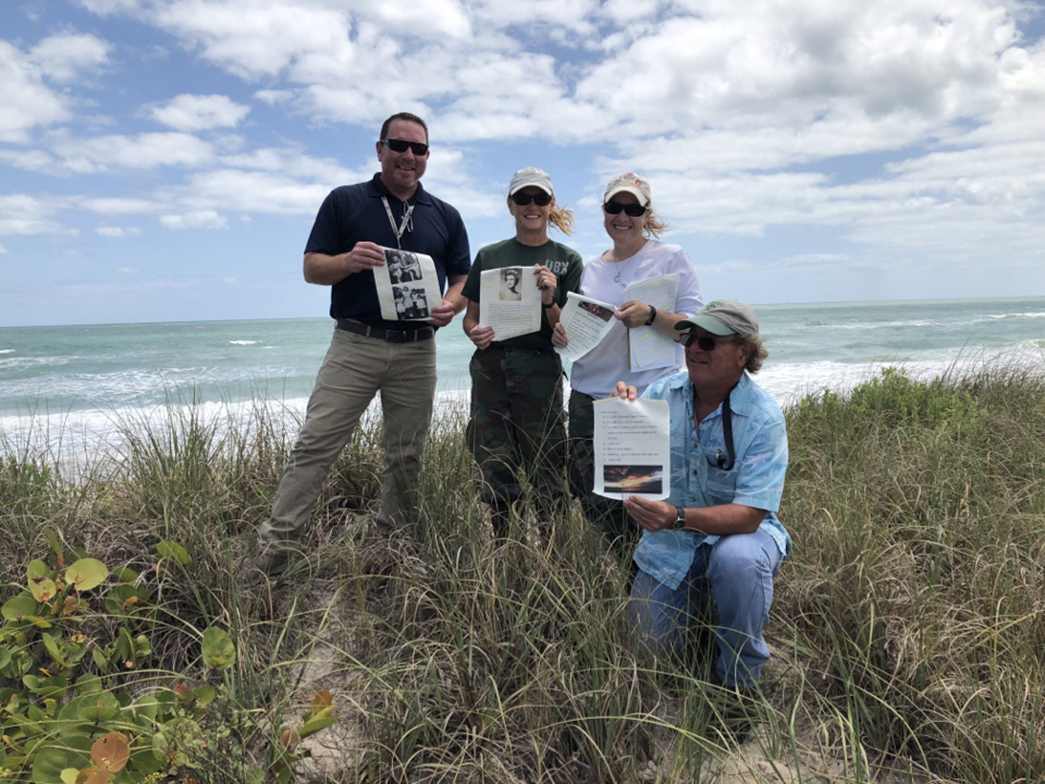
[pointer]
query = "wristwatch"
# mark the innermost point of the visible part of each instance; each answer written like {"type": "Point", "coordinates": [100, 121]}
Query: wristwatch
{"type": "Point", "coordinates": [549, 305]}
{"type": "Point", "coordinates": [680, 521]}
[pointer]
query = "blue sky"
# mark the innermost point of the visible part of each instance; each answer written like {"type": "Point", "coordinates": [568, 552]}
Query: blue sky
{"type": "Point", "coordinates": [162, 160]}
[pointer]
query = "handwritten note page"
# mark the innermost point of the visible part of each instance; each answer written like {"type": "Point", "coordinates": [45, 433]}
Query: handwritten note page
{"type": "Point", "coordinates": [648, 348]}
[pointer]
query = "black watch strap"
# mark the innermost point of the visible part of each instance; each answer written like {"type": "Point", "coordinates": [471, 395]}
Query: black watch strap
{"type": "Point", "coordinates": [680, 520]}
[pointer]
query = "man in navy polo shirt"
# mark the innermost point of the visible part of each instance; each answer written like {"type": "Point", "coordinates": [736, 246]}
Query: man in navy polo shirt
{"type": "Point", "coordinates": [368, 353]}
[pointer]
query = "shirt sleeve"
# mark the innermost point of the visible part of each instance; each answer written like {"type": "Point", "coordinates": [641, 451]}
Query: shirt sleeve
{"type": "Point", "coordinates": [572, 280]}
{"type": "Point", "coordinates": [326, 236]}
{"type": "Point", "coordinates": [689, 299]}
{"type": "Point", "coordinates": [760, 482]}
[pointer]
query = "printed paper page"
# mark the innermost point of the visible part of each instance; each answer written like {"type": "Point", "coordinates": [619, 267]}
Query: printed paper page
{"type": "Point", "coordinates": [648, 348]}
{"type": "Point", "coordinates": [407, 286]}
{"type": "Point", "coordinates": [510, 302]}
{"type": "Point", "coordinates": [586, 322]}
{"type": "Point", "coordinates": [632, 449]}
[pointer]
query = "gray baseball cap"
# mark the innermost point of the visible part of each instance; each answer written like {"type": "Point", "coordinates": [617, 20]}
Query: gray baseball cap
{"type": "Point", "coordinates": [723, 317]}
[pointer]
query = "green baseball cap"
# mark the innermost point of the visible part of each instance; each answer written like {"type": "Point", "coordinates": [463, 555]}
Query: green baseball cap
{"type": "Point", "coordinates": [723, 317]}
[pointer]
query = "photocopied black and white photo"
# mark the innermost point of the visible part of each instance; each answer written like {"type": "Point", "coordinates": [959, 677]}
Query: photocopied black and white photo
{"type": "Point", "coordinates": [407, 286]}
{"type": "Point", "coordinates": [510, 301]}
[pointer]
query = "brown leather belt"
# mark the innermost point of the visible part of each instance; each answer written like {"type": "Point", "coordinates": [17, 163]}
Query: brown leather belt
{"type": "Point", "coordinates": [387, 335]}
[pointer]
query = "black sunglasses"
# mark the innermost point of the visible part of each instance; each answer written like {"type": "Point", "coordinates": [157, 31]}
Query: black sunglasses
{"type": "Point", "coordinates": [704, 342]}
{"type": "Point", "coordinates": [398, 145]}
{"type": "Point", "coordinates": [540, 199]}
{"type": "Point", "coordinates": [614, 208]}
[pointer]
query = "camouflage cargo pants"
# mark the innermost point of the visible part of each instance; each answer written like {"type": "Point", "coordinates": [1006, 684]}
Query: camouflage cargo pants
{"type": "Point", "coordinates": [517, 424]}
{"type": "Point", "coordinates": [607, 513]}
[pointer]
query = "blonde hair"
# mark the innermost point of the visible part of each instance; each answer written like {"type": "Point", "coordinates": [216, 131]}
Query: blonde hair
{"type": "Point", "coordinates": [654, 226]}
{"type": "Point", "coordinates": [562, 219]}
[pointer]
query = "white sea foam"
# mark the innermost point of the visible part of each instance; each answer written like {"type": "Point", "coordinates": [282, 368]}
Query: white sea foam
{"type": "Point", "coordinates": [7, 350]}
{"type": "Point", "coordinates": [243, 342]}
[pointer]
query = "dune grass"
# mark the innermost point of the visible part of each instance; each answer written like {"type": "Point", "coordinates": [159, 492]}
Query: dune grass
{"type": "Point", "coordinates": [908, 628]}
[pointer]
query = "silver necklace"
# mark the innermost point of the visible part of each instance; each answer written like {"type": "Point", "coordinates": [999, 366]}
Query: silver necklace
{"type": "Point", "coordinates": [620, 267]}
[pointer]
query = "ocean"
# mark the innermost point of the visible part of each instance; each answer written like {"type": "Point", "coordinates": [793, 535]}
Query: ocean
{"type": "Point", "coordinates": [72, 388]}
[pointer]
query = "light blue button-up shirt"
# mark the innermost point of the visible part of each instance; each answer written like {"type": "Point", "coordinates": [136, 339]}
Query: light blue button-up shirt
{"type": "Point", "coordinates": [756, 479]}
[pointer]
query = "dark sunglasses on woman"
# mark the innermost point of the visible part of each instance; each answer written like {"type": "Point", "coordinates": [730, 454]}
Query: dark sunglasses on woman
{"type": "Point", "coordinates": [398, 145]}
{"type": "Point", "coordinates": [540, 199]}
{"type": "Point", "coordinates": [614, 208]}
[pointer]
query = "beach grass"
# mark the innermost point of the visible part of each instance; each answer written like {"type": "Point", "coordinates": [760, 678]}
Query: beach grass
{"type": "Point", "coordinates": [908, 627]}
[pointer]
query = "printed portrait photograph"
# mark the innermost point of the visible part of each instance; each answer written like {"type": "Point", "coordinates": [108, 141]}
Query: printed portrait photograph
{"type": "Point", "coordinates": [511, 280]}
{"type": "Point", "coordinates": [598, 310]}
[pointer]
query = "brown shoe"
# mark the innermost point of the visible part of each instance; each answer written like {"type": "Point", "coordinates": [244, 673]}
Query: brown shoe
{"type": "Point", "coordinates": [268, 565]}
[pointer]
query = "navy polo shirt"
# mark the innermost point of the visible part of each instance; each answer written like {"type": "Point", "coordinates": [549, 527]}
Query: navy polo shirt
{"type": "Point", "coordinates": [354, 213]}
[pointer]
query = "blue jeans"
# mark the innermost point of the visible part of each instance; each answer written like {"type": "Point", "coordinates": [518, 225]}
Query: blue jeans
{"type": "Point", "coordinates": [738, 571]}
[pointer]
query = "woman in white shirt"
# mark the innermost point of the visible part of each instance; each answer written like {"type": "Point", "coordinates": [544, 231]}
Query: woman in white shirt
{"type": "Point", "coordinates": [636, 255]}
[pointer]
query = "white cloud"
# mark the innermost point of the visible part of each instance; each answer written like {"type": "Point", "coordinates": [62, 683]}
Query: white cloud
{"type": "Point", "coordinates": [21, 214]}
{"type": "Point", "coordinates": [106, 7]}
{"type": "Point", "coordinates": [127, 270]}
{"type": "Point", "coordinates": [144, 151]}
{"type": "Point", "coordinates": [237, 190]}
{"type": "Point", "coordinates": [63, 57]}
{"type": "Point", "coordinates": [255, 39]}
{"type": "Point", "coordinates": [201, 219]}
{"type": "Point", "coordinates": [118, 231]}
{"type": "Point", "coordinates": [3, 250]}
{"type": "Point", "coordinates": [118, 206]}
{"type": "Point", "coordinates": [273, 97]}
{"type": "Point", "coordinates": [25, 101]}
{"type": "Point", "coordinates": [200, 112]}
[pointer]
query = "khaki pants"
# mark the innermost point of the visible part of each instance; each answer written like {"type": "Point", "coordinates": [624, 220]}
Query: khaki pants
{"type": "Point", "coordinates": [355, 369]}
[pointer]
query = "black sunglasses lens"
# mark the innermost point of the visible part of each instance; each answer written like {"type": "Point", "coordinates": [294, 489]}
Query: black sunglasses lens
{"type": "Point", "coordinates": [704, 342]}
{"type": "Point", "coordinates": [541, 199]}
{"type": "Point", "coordinates": [614, 208]}
{"type": "Point", "coordinates": [398, 145]}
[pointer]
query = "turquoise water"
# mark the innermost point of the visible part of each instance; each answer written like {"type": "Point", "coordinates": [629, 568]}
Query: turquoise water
{"type": "Point", "coordinates": [81, 380]}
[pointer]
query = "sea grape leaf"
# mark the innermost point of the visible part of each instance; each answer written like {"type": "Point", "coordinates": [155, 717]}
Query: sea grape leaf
{"type": "Point", "coordinates": [218, 649]}
{"type": "Point", "coordinates": [19, 607]}
{"type": "Point", "coordinates": [49, 762]}
{"type": "Point", "coordinates": [174, 551]}
{"type": "Point", "coordinates": [87, 573]}
{"type": "Point", "coordinates": [111, 752]}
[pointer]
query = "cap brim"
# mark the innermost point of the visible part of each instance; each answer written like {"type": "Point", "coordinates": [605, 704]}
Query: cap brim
{"type": "Point", "coordinates": [544, 188]}
{"type": "Point", "coordinates": [708, 323]}
{"type": "Point", "coordinates": [627, 189]}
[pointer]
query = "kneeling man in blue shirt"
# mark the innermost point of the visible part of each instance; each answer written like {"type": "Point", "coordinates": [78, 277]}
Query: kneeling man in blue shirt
{"type": "Point", "coordinates": [718, 532]}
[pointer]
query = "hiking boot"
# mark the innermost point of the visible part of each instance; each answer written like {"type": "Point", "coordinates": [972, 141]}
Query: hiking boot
{"type": "Point", "coordinates": [268, 565]}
